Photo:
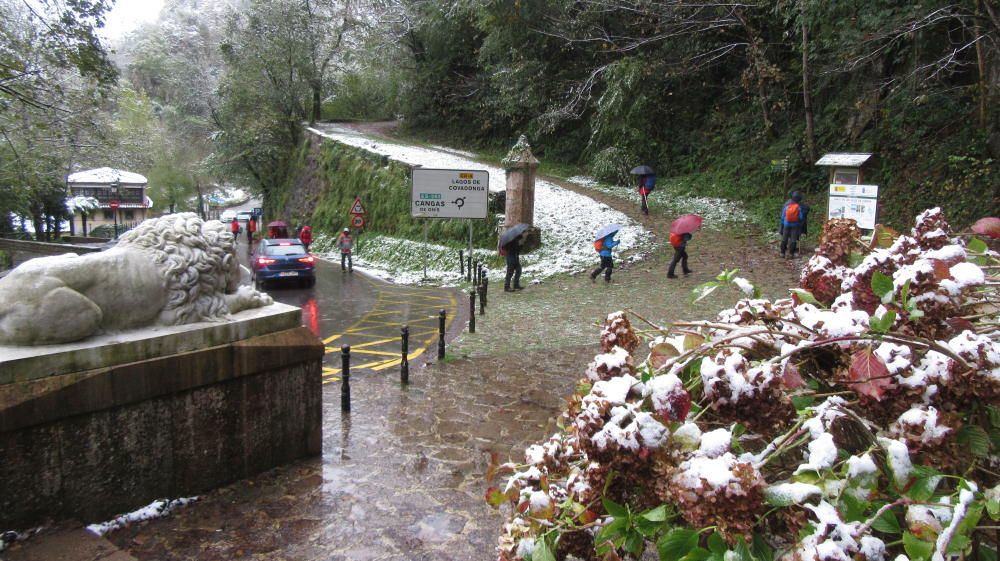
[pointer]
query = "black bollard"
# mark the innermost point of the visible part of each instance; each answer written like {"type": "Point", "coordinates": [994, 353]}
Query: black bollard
{"type": "Point", "coordinates": [441, 317]}
{"type": "Point", "coordinates": [475, 272]}
{"type": "Point", "coordinates": [468, 269]}
{"type": "Point", "coordinates": [479, 274]}
{"type": "Point", "coordinates": [461, 262]}
{"type": "Point", "coordinates": [345, 374]}
{"type": "Point", "coordinates": [472, 311]}
{"type": "Point", "coordinates": [482, 298]}
{"type": "Point", "coordinates": [404, 366]}
{"type": "Point", "coordinates": [486, 287]}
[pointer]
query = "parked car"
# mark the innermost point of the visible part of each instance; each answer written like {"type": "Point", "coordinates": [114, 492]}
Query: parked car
{"type": "Point", "coordinates": [283, 259]}
{"type": "Point", "coordinates": [227, 216]}
{"type": "Point", "coordinates": [244, 216]}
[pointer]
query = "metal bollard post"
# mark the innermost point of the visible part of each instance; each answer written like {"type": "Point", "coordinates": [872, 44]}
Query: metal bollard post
{"type": "Point", "coordinates": [461, 262]}
{"type": "Point", "coordinates": [472, 311]}
{"type": "Point", "coordinates": [475, 273]}
{"type": "Point", "coordinates": [486, 287]}
{"type": "Point", "coordinates": [404, 365]}
{"type": "Point", "coordinates": [482, 298]}
{"type": "Point", "coordinates": [441, 317]}
{"type": "Point", "coordinates": [479, 274]}
{"type": "Point", "coordinates": [468, 269]}
{"type": "Point", "coordinates": [345, 374]}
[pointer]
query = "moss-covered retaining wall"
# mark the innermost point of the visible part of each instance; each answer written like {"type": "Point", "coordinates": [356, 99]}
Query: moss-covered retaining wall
{"type": "Point", "coordinates": [328, 175]}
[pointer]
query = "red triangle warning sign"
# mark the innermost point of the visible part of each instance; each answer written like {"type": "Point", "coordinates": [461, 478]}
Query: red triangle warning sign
{"type": "Point", "coordinates": [357, 207]}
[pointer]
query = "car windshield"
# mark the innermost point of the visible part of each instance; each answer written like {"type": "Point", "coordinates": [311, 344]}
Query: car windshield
{"type": "Point", "coordinates": [290, 249]}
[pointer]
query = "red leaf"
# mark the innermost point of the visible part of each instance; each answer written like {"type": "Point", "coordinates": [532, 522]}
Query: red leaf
{"type": "Point", "coordinates": [790, 377]}
{"type": "Point", "coordinates": [494, 497]}
{"type": "Point", "coordinates": [587, 516]}
{"type": "Point", "coordinates": [989, 226]}
{"type": "Point", "coordinates": [960, 324]}
{"type": "Point", "coordinates": [869, 375]}
{"type": "Point", "coordinates": [678, 406]}
{"type": "Point", "coordinates": [941, 269]}
{"type": "Point", "coordinates": [491, 470]}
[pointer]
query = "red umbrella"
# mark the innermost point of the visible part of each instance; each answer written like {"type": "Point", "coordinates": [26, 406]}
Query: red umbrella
{"type": "Point", "coordinates": [686, 224]}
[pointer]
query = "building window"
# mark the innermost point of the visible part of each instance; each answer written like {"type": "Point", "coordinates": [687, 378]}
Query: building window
{"type": "Point", "coordinates": [108, 215]}
{"type": "Point", "coordinates": [129, 215]}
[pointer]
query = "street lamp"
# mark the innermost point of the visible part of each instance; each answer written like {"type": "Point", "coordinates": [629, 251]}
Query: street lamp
{"type": "Point", "coordinates": [116, 187]}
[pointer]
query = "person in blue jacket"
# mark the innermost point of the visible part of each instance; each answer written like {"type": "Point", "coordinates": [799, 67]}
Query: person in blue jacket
{"type": "Point", "coordinates": [607, 243]}
{"type": "Point", "coordinates": [792, 223]}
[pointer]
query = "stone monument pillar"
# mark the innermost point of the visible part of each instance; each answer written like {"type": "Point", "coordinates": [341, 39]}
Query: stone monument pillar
{"type": "Point", "coordinates": [521, 166]}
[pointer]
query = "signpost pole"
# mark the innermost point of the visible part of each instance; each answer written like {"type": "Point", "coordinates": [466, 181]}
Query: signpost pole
{"type": "Point", "coordinates": [470, 237]}
{"type": "Point", "coordinates": [426, 249]}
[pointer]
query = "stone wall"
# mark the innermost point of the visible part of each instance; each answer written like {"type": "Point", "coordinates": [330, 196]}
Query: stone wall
{"type": "Point", "coordinates": [20, 251]}
{"type": "Point", "coordinates": [96, 441]}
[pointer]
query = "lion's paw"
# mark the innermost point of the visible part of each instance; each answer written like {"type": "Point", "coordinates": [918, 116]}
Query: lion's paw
{"type": "Point", "coordinates": [247, 298]}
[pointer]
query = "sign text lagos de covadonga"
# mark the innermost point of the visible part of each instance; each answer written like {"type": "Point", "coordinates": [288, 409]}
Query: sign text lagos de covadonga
{"type": "Point", "coordinates": [449, 193]}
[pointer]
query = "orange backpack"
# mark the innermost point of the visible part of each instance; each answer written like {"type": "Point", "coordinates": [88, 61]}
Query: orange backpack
{"type": "Point", "coordinates": [599, 245]}
{"type": "Point", "coordinates": [676, 240]}
{"type": "Point", "coordinates": [792, 213]}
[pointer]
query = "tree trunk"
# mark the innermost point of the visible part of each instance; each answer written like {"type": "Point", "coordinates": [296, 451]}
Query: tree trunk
{"type": "Point", "coordinates": [201, 199]}
{"type": "Point", "coordinates": [317, 108]}
{"type": "Point", "coordinates": [807, 96]}
{"type": "Point", "coordinates": [981, 60]}
{"type": "Point", "coordinates": [83, 223]}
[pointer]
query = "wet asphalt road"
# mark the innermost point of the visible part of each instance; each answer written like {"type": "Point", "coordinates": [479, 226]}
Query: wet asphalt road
{"type": "Point", "coordinates": [401, 476]}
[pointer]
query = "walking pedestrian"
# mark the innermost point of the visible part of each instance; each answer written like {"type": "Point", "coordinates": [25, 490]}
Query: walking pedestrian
{"type": "Point", "coordinates": [251, 229]}
{"type": "Point", "coordinates": [792, 224]}
{"type": "Point", "coordinates": [604, 247]}
{"type": "Point", "coordinates": [679, 241]}
{"type": "Point", "coordinates": [345, 243]}
{"type": "Point", "coordinates": [512, 253]}
{"type": "Point", "coordinates": [306, 236]}
{"type": "Point", "coordinates": [235, 227]}
{"type": "Point", "coordinates": [646, 185]}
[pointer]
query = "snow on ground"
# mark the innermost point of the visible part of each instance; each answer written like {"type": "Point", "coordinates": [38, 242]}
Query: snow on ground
{"type": "Point", "coordinates": [568, 220]}
{"type": "Point", "coordinates": [712, 209]}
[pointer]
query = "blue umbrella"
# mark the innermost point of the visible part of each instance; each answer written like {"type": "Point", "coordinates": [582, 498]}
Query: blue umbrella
{"type": "Point", "coordinates": [609, 229]}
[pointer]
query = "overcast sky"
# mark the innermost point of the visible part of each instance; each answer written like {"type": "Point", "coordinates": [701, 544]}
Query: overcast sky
{"type": "Point", "coordinates": [128, 15]}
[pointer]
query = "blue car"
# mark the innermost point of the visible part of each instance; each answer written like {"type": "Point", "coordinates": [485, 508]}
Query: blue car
{"type": "Point", "coordinates": [281, 260]}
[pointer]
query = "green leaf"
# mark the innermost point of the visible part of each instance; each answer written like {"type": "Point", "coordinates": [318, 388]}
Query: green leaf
{"type": "Point", "coordinates": [806, 297]}
{"type": "Point", "coordinates": [542, 552]}
{"type": "Point", "coordinates": [916, 548]}
{"type": "Point", "coordinates": [742, 551]}
{"type": "Point", "coordinates": [854, 259]}
{"type": "Point", "coordinates": [977, 245]}
{"type": "Point", "coordinates": [975, 439]}
{"type": "Point", "coordinates": [884, 323]}
{"type": "Point", "coordinates": [702, 291]}
{"type": "Point", "coordinates": [614, 509]}
{"type": "Point", "coordinates": [993, 508]}
{"type": "Point", "coordinates": [887, 523]}
{"type": "Point", "coordinates": [633, 542]}
{"type": "Point", "coordinates": [882, 286]}
{"type": "Point", "coordinates": [761, 550]}
{"type": "Point", "coordinates": [658, 514]}
{"type": "Point", "coordinates": [648, 528]}
{"type": "Point", "coordinates": [677, 543]}
{"type": "Point", "coordinates": [923, 489]}
{"type": "Point", "coordinates": [696, 554]}
{"type": "Point", "coordinates": [853, 508]}
{"type": "Point", "coordinates": [986, 553]}
{"type": "Point", "coordinates": [716, 544]}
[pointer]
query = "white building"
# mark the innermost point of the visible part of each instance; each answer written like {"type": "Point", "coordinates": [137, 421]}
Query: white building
{"type": "Point", "coordinates": [112, 188]}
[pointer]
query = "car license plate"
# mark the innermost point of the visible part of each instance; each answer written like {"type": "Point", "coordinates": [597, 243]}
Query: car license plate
{"type": "Point", "coordinates": [288, 274]}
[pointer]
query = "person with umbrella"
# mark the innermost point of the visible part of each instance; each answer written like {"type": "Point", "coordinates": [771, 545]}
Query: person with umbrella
{"type": "Point", "coordinates": [647, 182]}
{"type": "Point", "coordinates": [604, 242]}
{"type": "Point", "coordinates": [510, 248]}
{"type": "Point", "coordinates": [680, 234]}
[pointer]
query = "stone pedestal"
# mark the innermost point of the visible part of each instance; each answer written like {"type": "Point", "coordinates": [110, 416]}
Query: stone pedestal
{"type": "Point", "coordinates": [94, 429]}
{"type": "Point", "coordinates": [521, 166]}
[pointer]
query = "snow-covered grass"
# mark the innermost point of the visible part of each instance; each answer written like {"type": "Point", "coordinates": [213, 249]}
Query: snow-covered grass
{"type": "Point", "coordinates": [714, 210]}
{"type": "Point", "coordinates": [568, 220]}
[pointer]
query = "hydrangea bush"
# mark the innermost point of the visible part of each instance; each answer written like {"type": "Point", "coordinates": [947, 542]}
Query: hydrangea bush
{"type": "Point", "coordinates": [857, 420]}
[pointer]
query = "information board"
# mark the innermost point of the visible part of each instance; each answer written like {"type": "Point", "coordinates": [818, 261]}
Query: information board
{"type": "Point", "coordinates": [859, 202]}
{"type": "Point", "coordinates": [449, 193]}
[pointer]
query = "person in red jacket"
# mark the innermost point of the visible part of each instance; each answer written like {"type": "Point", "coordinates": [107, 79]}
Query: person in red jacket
{"type": "Point", "coordinates": [306, 236]}
{"type": "Point", "coordinates": [251, 228]}
{"type": "Point", "coordinates": [235, 227]}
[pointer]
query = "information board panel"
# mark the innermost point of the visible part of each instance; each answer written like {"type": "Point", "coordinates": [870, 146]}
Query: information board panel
{"type": "Point", "coordinates": [449, 193]}
{"type": "Point", "coordinates": [859, 202]}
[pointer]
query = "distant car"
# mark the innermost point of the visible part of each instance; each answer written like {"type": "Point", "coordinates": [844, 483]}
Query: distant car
{"type": "Point", "coordinates": [283, 259]}
{"type": "Point", "coordinates": [244, 216]}
{"type": "Point", "coordinates": [227, 215]}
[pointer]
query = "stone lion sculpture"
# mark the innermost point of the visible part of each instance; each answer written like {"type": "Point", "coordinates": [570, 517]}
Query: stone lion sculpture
{"type": "Point", "coordinates": [167, 271]}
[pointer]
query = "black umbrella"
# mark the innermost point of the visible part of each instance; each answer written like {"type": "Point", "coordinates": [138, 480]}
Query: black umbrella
{"type": "Point", "coordinates": [642, 170]}
{"type": "Point", "coordinates": [513, 233]}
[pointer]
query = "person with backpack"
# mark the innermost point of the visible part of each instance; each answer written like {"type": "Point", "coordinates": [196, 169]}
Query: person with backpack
{"type": "Point", "coordinates": [235, 228]}
{"type": "Point", "coordinates": [646, 185]}
{"type": "Point", "coordinates": [792, 224]}
{"type": "Point", "coordinates": [306, 236]}
{"type": "Point", "coordinates": [251, 228]}
{"type": "Point", "coordinates": [604, 247]}
{"type": "Point", "coordinates": [679, 241]}
{"type": "Point", "coordinates": [345, 243]}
